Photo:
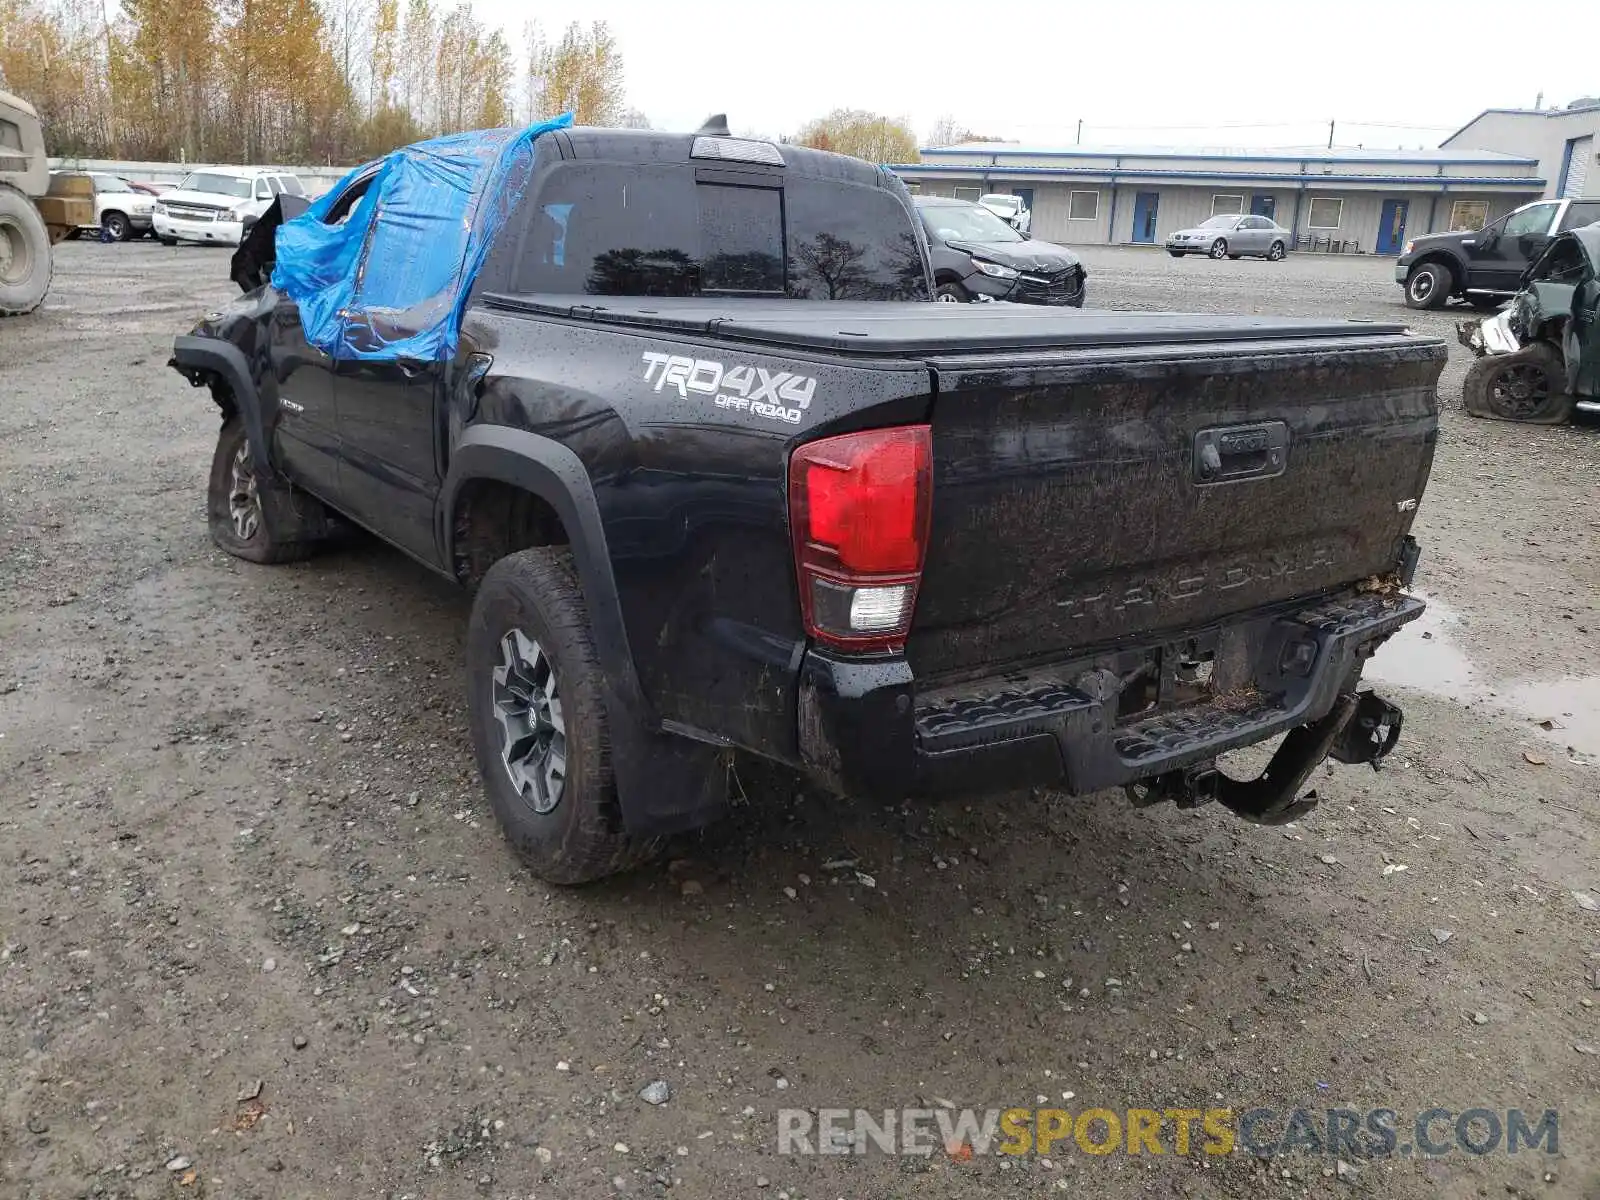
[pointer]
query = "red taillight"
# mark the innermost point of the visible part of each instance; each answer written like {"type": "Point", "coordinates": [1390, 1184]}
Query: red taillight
{"type": "Point", "coordinates": [859, 505]}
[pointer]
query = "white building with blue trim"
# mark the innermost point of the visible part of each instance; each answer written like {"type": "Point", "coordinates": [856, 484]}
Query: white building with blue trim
{"type": "Point", "coordinates": [1366, 201]}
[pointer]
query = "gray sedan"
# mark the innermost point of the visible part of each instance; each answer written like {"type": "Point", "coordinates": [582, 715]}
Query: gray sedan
{"type": "Point", "coordinates": [1232, 236]}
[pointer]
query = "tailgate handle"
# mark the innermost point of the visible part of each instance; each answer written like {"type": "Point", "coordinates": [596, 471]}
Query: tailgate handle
{"type": "Point", "coordinates": [1230, 453]}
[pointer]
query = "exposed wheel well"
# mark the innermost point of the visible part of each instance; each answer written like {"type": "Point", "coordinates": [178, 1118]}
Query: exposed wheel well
{"type": "Point", "coordinates": [945, 276]}
{"type": "Point", "coordinates": [493, 519]}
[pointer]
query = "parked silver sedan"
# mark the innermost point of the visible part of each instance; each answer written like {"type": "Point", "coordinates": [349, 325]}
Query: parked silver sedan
{"type": "Point", "coordinates": [1232, 236]}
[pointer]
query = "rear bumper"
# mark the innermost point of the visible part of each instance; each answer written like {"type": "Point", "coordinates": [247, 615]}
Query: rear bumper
{"type": "Point", "coordinates": [866, 730]}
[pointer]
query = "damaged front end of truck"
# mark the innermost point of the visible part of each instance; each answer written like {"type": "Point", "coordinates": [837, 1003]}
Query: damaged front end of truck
{"type": "Point", "coordinates": [1539, 356]}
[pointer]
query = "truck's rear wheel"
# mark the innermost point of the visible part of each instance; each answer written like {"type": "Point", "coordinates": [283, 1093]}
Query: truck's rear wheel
{"type": "Point", "coordinates": [539, 724]}
{"type": "Point", "coordinates": [24, 255]}
{"type": "Point", "coordinates": [1529, 386]}
{"type": "Point", "coordinates": [1429, 286]}
{"type": "Point", "coordinates": [254, 515]}
{"type": "Point", "coordinates": [117, 226]}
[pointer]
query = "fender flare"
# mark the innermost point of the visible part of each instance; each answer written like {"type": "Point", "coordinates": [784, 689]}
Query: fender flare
{"type": "Point", "coordinates": [196, 357]}
{"type": "Point", "coordinates": [665, 784]}
{"type": "Point", "coordinates": [554, 473]}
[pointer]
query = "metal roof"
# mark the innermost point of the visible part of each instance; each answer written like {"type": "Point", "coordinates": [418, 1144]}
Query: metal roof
{"type": "Point", "coordinates": [1431, 157]}
{"type": "Point", "coordinates": [1515, 112]}
{"type": "Point", "coordinates": [1292, 180]}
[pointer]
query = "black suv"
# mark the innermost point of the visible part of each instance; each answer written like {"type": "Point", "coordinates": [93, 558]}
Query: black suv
{"type": "Point", "coordinates": [975, 253]}
{"type": "Point", "coordinates": [1486, 265]}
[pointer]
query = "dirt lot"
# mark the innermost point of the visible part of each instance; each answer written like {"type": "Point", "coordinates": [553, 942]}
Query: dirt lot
{"type": "Point", "coordinates": [244, 849]}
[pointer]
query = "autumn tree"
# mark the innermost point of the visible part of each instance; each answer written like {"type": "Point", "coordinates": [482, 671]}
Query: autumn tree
{"type": "Point", "coordinates": [286, 81]}
{"type": "Point", "coordinates": [165, 57]}
{"type": "Point", "coordinates": [580, 74]}
{"type": "Point", "coordinates": [863, 135]}
{"type": "Point", "coordinates": [385, 44]}
{"type": "Point", "coordinates": [57, 56]}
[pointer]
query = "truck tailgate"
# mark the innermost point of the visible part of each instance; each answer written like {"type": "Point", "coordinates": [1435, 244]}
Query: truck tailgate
{"type": "Point", "coordinates": [1093, 495]}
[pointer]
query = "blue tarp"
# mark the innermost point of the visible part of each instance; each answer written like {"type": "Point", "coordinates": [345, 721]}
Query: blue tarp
{"type": "Point", "coordinates": [391, 279]}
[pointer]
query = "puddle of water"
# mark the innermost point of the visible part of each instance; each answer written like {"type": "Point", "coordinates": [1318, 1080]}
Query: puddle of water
{"type": "Point", "coordinates": [1425, 656]}
{"type": "Point", "coordinates": [1571, 704]}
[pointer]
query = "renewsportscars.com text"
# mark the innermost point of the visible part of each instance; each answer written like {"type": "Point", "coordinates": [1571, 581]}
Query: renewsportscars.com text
{"type": "Point", "coordinates": [1264, 1132]}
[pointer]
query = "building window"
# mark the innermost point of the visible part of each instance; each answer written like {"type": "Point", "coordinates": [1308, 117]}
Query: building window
{"type": "Point", "coordinates": [968, 193]}
{"type": "Point", "coordinates": [1325, 212]}
{"type": "Point", "coordinates": [1083, 206]}
{"type": "Point", "coordinates": [1226, 206]}
{"type": "Point", "coordinates": [913, 188]}
{"type": "Point", "coordinates": [1468, 215]}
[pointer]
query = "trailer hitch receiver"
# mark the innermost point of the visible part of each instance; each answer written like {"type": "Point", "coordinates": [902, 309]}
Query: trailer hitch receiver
{"type": "Point", "coordinates": [1359, 728]}
{"type": "Point", "coordinates": [1371, 733]}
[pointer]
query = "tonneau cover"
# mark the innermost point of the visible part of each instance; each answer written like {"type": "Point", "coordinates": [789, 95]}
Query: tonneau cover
{"type": "Point", "coordinates": [912, 328]}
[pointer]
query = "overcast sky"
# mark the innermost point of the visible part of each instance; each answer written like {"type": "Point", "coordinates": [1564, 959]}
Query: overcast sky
{"type": "Point", "coordinates": [1217, 72]}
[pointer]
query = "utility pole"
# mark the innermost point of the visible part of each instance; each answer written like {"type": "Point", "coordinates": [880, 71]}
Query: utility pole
{"type": "Point", "coordinates": [1330, 135]}
{"type": "Point", "coordinates": [1080, 131]}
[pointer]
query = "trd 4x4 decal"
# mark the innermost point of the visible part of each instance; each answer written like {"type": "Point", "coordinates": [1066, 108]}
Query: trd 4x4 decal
{"type": "Point", "coordinates": [777, 395]}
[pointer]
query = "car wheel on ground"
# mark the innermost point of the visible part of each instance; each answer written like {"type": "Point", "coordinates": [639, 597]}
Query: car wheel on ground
{"type": "Point", "coordinates": [253, 514]}
{"type": "Point", "coordinates": [1219, 248]}
{"type": "Point", "coordinates": [1276, 253]}
{"type": "Point", "coordinates": [169, 241]}
{"type": "Point", "coordinates": [117, 226]}
{"type": "Point", "coordinates": [24, 254]}
{"type": "Point", "coordinates": [539, 724]}
{"type": "Point", "coordinates": [1428, 286]}
{"type": "Point", "coordinates": [1528, 385]}
{"type": "Point", "coordinates": [953, 293]}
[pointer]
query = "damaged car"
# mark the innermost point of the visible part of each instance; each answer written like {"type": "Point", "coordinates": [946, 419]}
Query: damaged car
{"type": "Point", "coordinates": [1539, 357]}
{"type": "Point", "coordinates": [681, 413]}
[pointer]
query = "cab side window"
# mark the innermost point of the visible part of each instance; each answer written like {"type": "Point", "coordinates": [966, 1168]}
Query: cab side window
{"type": "Point", "coordinates": [1530, 221]}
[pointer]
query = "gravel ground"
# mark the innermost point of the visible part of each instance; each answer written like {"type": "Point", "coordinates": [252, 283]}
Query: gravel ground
{"type": "Point", "coordinates": [260, 937]}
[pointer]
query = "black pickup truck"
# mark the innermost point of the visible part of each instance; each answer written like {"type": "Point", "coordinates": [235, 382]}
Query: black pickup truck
{"type": "Point", "coordinates": [904, 547]}
{"type": "Point", "coordinates": [1485, 266]}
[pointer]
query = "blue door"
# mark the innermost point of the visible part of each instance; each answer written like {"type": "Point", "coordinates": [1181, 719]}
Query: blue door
{"type": "Point", "coordinates": [1264, 205]}
{"type": "Point", "coordinates": [1145, 205]}
{"type": "Point", "coordinates": [1392, 226]}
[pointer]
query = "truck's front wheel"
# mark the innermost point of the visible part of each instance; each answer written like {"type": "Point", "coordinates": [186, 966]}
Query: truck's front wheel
{"type": "Point", "coordinates": [253, 514]}
{"type": "Point", "coordinates": [539, 724]}
{"type": "Point", "coordinates": [24, 254]}
{"type": "Point", "coordinates": [1529, 385]}
{"type": "Point", "coordinates": [1428, 286]}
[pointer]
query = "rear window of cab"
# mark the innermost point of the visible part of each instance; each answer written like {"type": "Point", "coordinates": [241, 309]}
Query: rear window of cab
{"type": "Point", "coordinates": [604, 229]}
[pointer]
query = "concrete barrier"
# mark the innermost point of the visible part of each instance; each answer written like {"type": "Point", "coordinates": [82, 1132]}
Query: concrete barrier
{"type": "Point", "coordinates": [317, 180]}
